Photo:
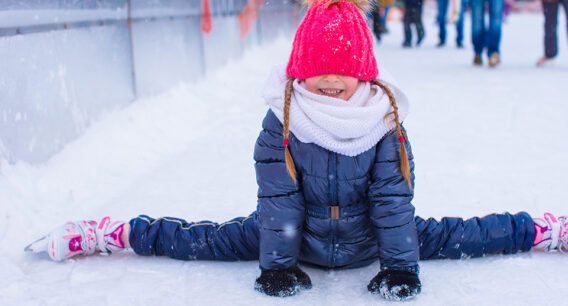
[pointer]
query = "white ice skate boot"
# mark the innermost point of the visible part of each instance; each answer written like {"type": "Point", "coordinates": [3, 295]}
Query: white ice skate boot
{"type": "Point", "coordinates": [81, 238]}
{"type": "Point", "coordinates": [551, 233]}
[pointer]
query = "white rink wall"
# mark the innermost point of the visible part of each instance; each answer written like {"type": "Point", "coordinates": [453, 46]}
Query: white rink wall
{"type": "Point", "coordinates": [63, 64]}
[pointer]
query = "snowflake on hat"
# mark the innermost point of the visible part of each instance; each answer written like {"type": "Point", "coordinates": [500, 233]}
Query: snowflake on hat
{"type": "Point", "coordinates": [333, 38]}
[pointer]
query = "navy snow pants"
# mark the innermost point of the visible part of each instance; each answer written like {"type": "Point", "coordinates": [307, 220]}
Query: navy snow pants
{"type": "Point", "coordinates": [238, 239]}
{"type": "Point", "coordinates": [550, 10]}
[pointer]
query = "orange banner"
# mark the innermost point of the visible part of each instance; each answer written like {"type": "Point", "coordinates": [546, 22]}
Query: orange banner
{"type": "Point", "coordinates": [206, 19]}
{"type": "Point", "coordinates": [248, 17]}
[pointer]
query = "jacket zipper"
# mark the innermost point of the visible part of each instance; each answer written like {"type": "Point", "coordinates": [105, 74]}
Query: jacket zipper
{"type": "Point", "coordinates": [332, 178]}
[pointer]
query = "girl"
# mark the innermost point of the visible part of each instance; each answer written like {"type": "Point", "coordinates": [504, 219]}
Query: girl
{"type": "Point", "coordinates": [335, 176]}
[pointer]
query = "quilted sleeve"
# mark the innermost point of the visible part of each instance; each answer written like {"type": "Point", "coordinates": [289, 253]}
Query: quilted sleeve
{"type": "Point", "coordinates": [391, 211]}
{"type": "Point", "coordinates": [280, 200]}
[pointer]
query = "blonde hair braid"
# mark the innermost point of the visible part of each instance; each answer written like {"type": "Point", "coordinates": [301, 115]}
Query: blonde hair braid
{"type": "Point", "coordinates": [404, 163]}
{"type": "Point", "coordinates": [288, 157]}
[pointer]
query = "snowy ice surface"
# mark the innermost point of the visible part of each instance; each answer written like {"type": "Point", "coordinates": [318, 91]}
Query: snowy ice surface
{"type": "Point", "coordinates": [484, 140]}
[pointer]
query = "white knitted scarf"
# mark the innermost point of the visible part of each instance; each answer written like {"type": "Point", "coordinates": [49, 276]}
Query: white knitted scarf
{"type": "Point", "coordinates": [345, 127]}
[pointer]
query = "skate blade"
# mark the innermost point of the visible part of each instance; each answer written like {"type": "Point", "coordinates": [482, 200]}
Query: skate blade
{"type": "Point", "coordinates": [37, 246]}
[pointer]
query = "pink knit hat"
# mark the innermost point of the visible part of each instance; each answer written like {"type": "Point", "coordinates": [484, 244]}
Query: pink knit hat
{"type": "Point", "coordinates": [333, 38]}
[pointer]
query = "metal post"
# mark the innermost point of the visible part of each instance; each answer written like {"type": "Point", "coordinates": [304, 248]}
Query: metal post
{"type": "Point", "coordinates": [133, 62]}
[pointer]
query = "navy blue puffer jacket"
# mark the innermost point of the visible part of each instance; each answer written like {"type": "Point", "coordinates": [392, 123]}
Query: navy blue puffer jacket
{"type": "Point", "coordinates": [292, 223]}
{"type": "Point", "coordinates": [376, 217]}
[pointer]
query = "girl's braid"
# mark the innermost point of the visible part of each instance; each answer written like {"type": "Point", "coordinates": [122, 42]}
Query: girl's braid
{"type": "Point", "coordinates": [288, 157]}
{"type": "Point", "coordinates": [404, 163]}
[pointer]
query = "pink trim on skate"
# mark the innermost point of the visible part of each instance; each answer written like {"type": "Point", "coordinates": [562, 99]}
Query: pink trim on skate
{"type": "Point", "coordinates": [103, 222]}
{"type": "Point", "coordinates": [555, 228]}
{"type": "Point", "coordinates": [116, 235]}
{"type": "Point", "coordinates": [90, 236]}
{"type": "Point", "coordinates": [552, 217]}
{"type": "Point", "coordinates": [539, 233]}
{"type": "Point", "coordinates": [74, 243]}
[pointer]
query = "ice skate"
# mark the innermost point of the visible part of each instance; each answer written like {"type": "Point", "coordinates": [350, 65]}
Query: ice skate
{"type": "Point", "coordinates": [551, 233]}
{"type": "Point", "coordinates": [477, 61]}
{"type": "Point", "coordinates": [81, 238]}
{"type": "Point", "coordinates": [544, 61]}
{"type": "Point", "coordinates": [494, 60]}
{"type": "Point", "coordinates": [420, 39]}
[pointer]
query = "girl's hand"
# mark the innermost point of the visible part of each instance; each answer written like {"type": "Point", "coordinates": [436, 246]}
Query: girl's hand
{"type": "Point", "coordinates": [396, 285]}
{"type": "Point", "coordinates": [282, 282]}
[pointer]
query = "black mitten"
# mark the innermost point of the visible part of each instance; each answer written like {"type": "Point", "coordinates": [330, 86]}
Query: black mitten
{"type": "Point", "coordinates": [282, 282]}
{"type": "Point", "coordinates": [396, 285]}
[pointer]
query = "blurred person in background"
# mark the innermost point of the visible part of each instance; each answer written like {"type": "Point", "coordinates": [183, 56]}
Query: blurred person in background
{"type": "Point", "coordinates": [442, 18]}
{"type": "Point", "coordinates": [375, 16]}
{"type": "Point", "coordinates": [378, 14]}
{"type": "Point", "coordinates": [413, 15]}
{"type": "Point", "coordinates": [383, 13]}
{"type": "Point", "coordinates": [484, 37]}
{"type": "Point", "coordinates": [550, 10]}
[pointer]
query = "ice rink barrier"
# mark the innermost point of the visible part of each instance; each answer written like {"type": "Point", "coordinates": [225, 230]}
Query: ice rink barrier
{"type": "Point", "coordinates": [65, 63]}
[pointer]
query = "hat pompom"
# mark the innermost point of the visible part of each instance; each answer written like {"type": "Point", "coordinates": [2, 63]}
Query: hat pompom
{"type": "Point", "coordinates": [362, 5]}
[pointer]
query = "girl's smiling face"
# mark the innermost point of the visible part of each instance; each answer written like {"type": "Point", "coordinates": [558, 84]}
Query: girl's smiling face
{"type": "Point", "coordinates": [332, 85]}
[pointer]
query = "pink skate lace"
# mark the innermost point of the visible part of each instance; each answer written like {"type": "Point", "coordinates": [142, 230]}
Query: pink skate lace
{"type": "Point", "coordinates": [87, 228]}
{"type": "Point", "coordinates": [109, 235]}
{"type": "Point", "coordinates": [551, 233]}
